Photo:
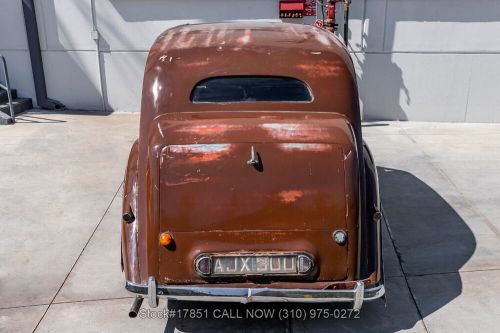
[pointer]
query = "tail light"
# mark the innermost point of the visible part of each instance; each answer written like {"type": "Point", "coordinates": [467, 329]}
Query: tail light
{"type": "Point", "coordinates": [304, 264]}
{"type": "Point", "coordinates": [203, 265]}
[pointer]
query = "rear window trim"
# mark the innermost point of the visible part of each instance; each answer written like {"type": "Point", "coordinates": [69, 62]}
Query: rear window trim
{"type": "Point", "coordinates": [191, 95]}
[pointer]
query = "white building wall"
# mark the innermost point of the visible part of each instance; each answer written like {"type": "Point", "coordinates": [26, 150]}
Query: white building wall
{"type": "Point", "coordinates": [428, 60]}
{"type": "Point", "coordinates": [128, 29]}
{"type": "Point", "coordinates": [415, 59]}
{"type": "Point", "coordinates": [14, 47]}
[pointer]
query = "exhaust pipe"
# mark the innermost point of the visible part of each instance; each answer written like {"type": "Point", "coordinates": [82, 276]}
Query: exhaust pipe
{"type": "Point", "coordinates": [136, 306]}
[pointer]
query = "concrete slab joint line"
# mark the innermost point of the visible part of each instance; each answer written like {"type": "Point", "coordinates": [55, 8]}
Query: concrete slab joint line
{"type": "Point", "coordinates": [79, 255]}
{"type": "Point", "coordinates": [437, 180]}
{"type": "Point", "coordinates": [398, 253]}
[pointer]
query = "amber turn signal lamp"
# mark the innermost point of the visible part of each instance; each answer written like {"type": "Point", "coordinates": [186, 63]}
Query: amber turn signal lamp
{"type": "Point", "coordinates": [166, 239]}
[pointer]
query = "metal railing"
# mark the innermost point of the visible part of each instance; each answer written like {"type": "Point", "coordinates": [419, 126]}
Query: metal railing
{"type": "Point", "coordinates": [7, 88]}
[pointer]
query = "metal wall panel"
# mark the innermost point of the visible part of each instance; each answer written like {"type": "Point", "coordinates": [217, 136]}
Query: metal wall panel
{"type": "Point", "coordinates": [416, 59]}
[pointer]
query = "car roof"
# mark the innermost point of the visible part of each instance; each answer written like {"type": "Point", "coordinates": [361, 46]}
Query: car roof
{"type": "Point", "coordinates": [249, 35]}
{"type": "Point", "coordinates": [183, 56]}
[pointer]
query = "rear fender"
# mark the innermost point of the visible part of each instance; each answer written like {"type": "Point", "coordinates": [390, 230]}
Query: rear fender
{"type": "Point", "coordinates": [371, 262]}
{"type": "Point", "coordinates": [129, 247]}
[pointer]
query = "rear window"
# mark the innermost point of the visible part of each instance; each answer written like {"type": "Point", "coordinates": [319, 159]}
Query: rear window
{"type": "Point", "coordinates": [250, 89]}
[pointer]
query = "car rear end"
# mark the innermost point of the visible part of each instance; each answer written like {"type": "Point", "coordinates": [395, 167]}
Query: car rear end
{"type": "Point", "coordinates": [249, 178]}
{"type": "Point", "coordinates": [257, 206]}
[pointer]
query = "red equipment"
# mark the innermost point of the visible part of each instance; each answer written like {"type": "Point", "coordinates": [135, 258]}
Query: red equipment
{"type": "Point", "coordinates": [292, 9]}
{"type": "Point", "coordinates": [330, 23]}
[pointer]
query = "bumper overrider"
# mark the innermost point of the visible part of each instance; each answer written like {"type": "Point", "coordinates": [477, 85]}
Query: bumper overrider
{"type": "Point", "coordinates": [356, 296]}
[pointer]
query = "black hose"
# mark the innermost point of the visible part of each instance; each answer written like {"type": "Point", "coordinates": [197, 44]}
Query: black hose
{"type": "Point", "coordinates": [346, 21]}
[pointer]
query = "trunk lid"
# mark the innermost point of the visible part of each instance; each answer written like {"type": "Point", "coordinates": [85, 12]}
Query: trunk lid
{"type": "Point", "coordinates": [213, 202]}
{"type": "Point", "coordinates": [294, 186]}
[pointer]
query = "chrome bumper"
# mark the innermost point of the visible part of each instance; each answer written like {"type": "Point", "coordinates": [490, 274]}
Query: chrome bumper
{"type": "Point", "coordinates": [246, 295]}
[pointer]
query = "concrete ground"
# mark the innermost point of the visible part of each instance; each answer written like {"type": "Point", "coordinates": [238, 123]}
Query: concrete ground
{"type": "Point", "coordinates": [60, 193]}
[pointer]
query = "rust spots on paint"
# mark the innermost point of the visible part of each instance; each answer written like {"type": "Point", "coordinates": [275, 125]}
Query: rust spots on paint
{"type": "Point", "coordinates": [187, 180]}
{"type": "Point", "coordinates": [310, 147]}
{"type": "Point", "coordinates": [290, 196]}
{"type": "Point", "coordinates": [323, 68]}
{"type": "Point", "coordinates": [208, 157]}
{"type": "Point", "coordinates": [296, 131]}
{"type": "Point", "coordinates": [199, 63]}
{"type": "Point", "coordinates": [215, 129]}
{"type": "Point", "coordinates": [246, 38]}
{"type": "Point", "coordinates": [201, 153]}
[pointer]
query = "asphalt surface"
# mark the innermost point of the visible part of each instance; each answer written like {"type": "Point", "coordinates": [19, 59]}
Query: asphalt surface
{"type": "Point", "coordinates": [60, 196]}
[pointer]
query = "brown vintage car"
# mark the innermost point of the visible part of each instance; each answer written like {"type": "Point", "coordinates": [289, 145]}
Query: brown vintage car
{"type": "Point", "coordinates": [250, 180]}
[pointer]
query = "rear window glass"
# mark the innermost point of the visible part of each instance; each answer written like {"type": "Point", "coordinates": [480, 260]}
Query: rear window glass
{"type": "Point", "coordinates": [250, 89]}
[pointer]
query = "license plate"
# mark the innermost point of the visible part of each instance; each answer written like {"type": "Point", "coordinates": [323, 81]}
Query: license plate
{"type": "Point", "coordinates": [254, 265]}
